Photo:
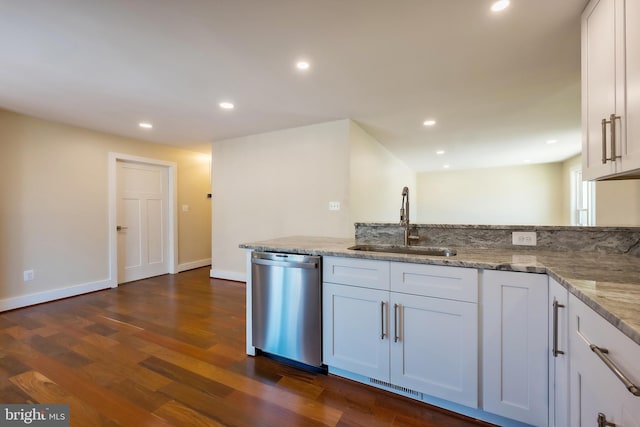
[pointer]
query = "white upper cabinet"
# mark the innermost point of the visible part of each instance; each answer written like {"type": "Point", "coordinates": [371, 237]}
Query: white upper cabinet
{"type": "Point", "coordinates": [611, 88]}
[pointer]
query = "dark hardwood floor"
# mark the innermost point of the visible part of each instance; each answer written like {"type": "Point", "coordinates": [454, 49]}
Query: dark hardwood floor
{"type": "Point", "coordinates": [169, 351]}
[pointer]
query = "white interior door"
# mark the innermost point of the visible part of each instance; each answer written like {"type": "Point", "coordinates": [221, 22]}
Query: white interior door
{"type": "Point", "coordinates": [142, 220]}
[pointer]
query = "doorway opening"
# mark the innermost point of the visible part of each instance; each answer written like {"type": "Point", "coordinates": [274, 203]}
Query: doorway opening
{"type": "Point", "coordinates": [142, 218]}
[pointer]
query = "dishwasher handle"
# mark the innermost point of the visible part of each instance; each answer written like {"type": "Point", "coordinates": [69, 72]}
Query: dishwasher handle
{"type": "Point", "coordinates": [288, 264]}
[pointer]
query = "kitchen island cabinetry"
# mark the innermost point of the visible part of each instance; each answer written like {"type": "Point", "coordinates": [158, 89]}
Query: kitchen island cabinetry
{"type": "Point", "coordinates": [410, 342]}
{"type": "Point", "coordinates": [514, 345]}
{"type": "Point", "coordinates": [596, 392]}
{"type": "Point", "coordinates": [610, 82]}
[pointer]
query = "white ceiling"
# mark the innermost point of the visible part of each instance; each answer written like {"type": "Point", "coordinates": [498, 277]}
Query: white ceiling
{"type": "Point", "coordinates": [499, 85]}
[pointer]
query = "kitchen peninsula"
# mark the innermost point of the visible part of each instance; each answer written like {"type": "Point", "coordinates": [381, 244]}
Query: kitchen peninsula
{"type": "Point", "coordinates": [591, 270]}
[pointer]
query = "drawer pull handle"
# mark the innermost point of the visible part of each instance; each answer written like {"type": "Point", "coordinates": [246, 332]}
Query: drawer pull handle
{"type": "Point", "coordinates": [382, 333]}
{"type": "Point", "coordinates": [556, 306]}
{"type": "Point", "coordinates": [612, 120]}
{"type": "Point", "coordinates": [602, 352]}
{"type": "Point", "coordinates": [602, 421]}
{"type": "Point", "coordinates": [395, 322]}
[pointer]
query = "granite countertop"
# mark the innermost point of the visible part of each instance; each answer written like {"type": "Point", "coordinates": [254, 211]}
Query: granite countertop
{"type": "Point", "coordinates": [609, 284]}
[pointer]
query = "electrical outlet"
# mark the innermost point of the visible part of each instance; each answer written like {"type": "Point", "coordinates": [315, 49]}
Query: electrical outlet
{"type": "Point", "coordinates": [28, 275]}
{"type": "Point", "coordinates": [524, 238]}
{"type": "Point", "coordinates": [334, 206]}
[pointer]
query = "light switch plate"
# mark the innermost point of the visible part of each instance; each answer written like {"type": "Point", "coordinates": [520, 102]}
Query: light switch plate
{"type": "Point", "coordinates": [334, 206]}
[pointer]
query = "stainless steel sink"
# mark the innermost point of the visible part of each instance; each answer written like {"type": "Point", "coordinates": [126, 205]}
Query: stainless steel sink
{"type": "Point", "coordinates": [411, 250]}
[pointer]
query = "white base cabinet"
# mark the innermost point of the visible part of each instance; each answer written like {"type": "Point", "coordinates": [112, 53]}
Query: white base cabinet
{"type": "Point", "coordinates": [354, 321]}
{"type": "Point", "coordinates": [434, 347]}
{"type": "Point", "coordinates": [514, 345]}
{"type": "Point", "coordinates": [418, 342]}
{"type": "Point", "coordinates": [414, 328]}
{"type": "Point", "coordinates": [596, 392]}
{"type": "Point", "coordinates": [558, 355]}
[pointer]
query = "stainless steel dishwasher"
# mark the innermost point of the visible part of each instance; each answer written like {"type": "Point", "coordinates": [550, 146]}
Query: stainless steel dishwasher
{"type": "Point", "coordinates": [287, 300]}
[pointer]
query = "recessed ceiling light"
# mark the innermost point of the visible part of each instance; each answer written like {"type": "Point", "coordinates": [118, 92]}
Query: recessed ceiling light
{"type": "Point", "coordinates": [440, 152]}
{"type": "Point", "coordinates": [527, 161]}
{"type": "Point", "coordinates": [302, 65]}
{"type": "Point", "coordinates": [446, 166]}
{"type": "Point", "coordinates": [226, 105]}
{"type": "Point", "coordinates": [429, 122]}
{"type": "Point", "coordinates": [499, 5]}
{"type": "Point", "coordinates": [552, 141]}
{"type": "Point", "coordinates": [145, 125]}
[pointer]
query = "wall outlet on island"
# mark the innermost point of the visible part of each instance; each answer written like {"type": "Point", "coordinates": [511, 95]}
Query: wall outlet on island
{"type": "Point", "coordinates": [524, 238]}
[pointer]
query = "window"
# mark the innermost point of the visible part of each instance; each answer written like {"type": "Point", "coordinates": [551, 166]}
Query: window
{"type": "Point", "coordinates": [583, 200]}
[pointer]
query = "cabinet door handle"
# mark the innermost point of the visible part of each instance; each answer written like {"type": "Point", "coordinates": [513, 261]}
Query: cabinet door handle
{"type": "Point", "coordinates": [612, 122]}
{"type": "Point", "coordinates": [602, 421]}
{"type": "Point", "coordinates": [382, 333]}
{"type": "Point", "coordinates": [602, 352]}
{"type": "Point", "coordinates": [604, 141]}
{"type": "Point", "coordinates": [395, 322]}
{"type": "Point", "coordinates": [556, 306]}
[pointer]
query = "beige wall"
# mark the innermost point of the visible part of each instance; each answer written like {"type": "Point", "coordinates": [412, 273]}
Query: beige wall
{"type": "Point", "coordinates": [618, 203]}
{"type": "Point", "coordinates": [54, 209]}
{"type": "Point", "coordinates": [529, 194]}
{"type": "Point", "coordinates": [376, 180]}
{"type": "Point", "coordinates": [278, 184]}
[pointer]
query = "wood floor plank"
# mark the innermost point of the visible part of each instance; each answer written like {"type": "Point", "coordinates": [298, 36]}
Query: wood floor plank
{"type": "Point", "coordinates": [271, 414]}
{"type": "Point", "coordinates": [181, 415]}
{"type": "Point", "coordinates": [141, 396]}
{"type": "Point", "coordinates": [42, 390]}
{"type": "Point", "coordinates": [104, 401]}
{"type": "Point", "coordinates": [186, 376]}
{"type": "Point", "coordinates": [306, 407]}
{"type": "Point", "coordinates": [61, 353]}
{"type": "Point", "coordinates": [125, 368]}
{"type": "Point", "coordinates": [213, 407]}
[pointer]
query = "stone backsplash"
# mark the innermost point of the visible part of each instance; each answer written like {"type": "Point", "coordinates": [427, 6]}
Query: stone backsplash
{"type": "Point", "coordinates": [611, 240]}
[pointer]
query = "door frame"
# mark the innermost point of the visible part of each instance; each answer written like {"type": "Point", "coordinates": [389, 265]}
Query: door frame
{"type": "Point", "coordinates": [172, 167]}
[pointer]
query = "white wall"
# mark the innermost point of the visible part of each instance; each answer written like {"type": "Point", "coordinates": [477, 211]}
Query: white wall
{"type": "Point", "coordinates": [529, 194]}
{"type": "Point", "coordinates": [278, 184]}
{"type": "Point", "coordinates": [377, 179]}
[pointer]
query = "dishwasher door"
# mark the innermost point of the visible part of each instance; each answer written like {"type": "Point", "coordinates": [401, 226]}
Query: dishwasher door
{"type": "Point", "coordinates": [286, 306]}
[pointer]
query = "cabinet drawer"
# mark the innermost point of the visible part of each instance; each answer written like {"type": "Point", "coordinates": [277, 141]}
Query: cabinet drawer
{"type": "Point", "coordinates": [455, 283]}
{"type": "Point", "coordinates": [356, 272]}
{"type": "Point", "coordinates": [590, 328]}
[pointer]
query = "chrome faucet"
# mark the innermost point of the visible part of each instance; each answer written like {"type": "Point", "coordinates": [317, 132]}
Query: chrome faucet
{"type": "Point", "coordinates": [404, 217]}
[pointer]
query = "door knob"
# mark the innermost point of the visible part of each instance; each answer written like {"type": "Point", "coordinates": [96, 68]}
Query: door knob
{"type": "Point", "coordinates": [120, 227]}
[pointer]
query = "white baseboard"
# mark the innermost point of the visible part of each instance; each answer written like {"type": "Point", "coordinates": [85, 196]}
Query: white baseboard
{"type": "Point", "coordinates": [228, 275]}
{"type": "Point", "coordinates": [46, 296]}
{"type": "Point", "coordinates": [194, 264]}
